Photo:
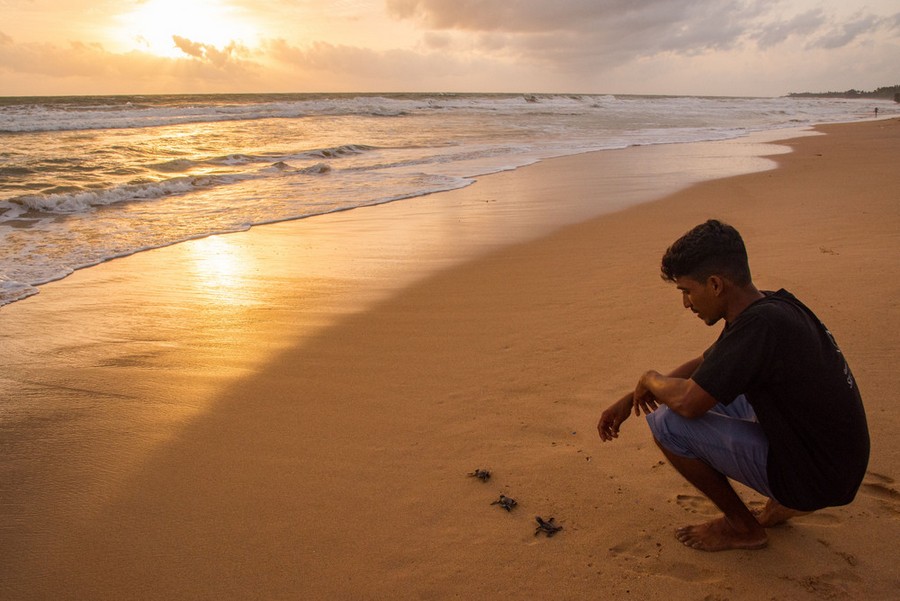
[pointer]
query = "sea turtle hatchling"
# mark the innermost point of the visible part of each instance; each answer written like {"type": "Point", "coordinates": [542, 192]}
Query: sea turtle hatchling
{"type": "Point", "coordinates": [546, 526]}
{"type": "Point", "coordinates": [483, 475]}
{"type": "Point", "coordinates": [505, 502]}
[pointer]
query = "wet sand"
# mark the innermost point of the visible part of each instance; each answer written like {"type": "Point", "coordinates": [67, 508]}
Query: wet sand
{"type": "Point", "coordinates": [284, 413]}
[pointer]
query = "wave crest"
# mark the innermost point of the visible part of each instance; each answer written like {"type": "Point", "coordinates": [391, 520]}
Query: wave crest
{"type": "Point", "coordinates": [339, 151]}
{"type": "Point", "coordinates": [81, 202]}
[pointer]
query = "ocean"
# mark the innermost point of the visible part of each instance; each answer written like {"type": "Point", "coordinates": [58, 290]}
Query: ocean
{"type": "Point", "coordinates": [87, 179]}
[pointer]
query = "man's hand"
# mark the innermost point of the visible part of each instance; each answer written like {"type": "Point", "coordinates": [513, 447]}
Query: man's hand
{"type": "Point", "coordinates": [682, 395]}
{"type": "Point", "coordinates": [612, 418]}
{"type": "Point", "coordinates": [643, 399]}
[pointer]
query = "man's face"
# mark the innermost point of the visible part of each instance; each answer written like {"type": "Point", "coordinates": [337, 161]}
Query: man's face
{"type": "Point", "coordinates": [701, 298]}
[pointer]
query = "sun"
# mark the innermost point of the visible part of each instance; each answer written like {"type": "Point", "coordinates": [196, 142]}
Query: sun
{"type": "Point", "coordinates": [153, 24]}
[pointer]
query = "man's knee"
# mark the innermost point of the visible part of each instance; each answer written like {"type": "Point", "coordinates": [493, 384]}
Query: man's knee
{"type": "Point", "coordinates": [670, 431]}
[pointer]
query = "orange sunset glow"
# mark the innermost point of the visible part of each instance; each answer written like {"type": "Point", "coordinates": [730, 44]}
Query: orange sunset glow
{"type": "Point", "coordinates": [717, 47]}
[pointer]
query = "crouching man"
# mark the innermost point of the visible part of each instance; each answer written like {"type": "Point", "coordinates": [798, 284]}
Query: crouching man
{"type": "Point", "coordinates": [772, 403]}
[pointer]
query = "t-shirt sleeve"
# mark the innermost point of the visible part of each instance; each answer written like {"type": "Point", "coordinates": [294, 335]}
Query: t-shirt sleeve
{"type": "Point", "coordinates": [737, 359]}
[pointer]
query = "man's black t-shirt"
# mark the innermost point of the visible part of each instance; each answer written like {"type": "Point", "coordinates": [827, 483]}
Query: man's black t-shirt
{"type": "Point", "coordinates": [778, 354]}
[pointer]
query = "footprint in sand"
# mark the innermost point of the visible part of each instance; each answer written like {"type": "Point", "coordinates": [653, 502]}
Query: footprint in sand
{"type": "Point", "coordinates": [642, 547]}
{"type": "Point", "coordinates": [696, 504]}
{"type": "Point", "coordinates": [641, 556]}
{"type": "Point", "coordinates": [879, 487]}
{"type": "Point", "coordinates": [830, 585]}
{"type": "Point", "coordinates": [689, 572]}
{"type": "Point", "coordinates": [880, 478]}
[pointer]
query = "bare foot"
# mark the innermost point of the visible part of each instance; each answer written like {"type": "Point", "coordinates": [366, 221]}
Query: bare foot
{"type": "Point", "coordinates": [720, 535]}
{"type": "Point", "coordinates": [774, 513]}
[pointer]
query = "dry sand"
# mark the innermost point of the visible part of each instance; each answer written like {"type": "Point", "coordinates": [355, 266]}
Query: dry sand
{"type": "Point", "coordinates": [215, 423]}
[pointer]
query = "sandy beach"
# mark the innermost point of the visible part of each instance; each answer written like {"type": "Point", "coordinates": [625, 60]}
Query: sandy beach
{"type": "Point", "coordinates": [236, 418]}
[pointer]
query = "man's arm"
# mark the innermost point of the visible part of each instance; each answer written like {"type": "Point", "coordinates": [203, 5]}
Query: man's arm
{"type": "Point", "coordinates": [680, 394]}
{"type": "Point", "coordinates": [618, 412]}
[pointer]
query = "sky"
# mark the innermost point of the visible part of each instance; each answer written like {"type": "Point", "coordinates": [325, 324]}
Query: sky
{"type": "Point", "coordinates": [689, 47]}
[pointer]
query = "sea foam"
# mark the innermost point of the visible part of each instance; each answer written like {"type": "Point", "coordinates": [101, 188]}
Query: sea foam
{"type": "Point", "coordinates": [87, 179]}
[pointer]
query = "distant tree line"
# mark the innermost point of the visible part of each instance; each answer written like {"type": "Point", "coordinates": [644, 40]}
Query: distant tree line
{"type": "Point", "coordinates": [888, 92]}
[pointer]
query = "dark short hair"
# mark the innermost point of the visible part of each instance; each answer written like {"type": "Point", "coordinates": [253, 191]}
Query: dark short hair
{"type": "Point", "coordinates": [711, 248]}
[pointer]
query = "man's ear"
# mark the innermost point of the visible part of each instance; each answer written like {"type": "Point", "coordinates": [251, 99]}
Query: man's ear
{"type": "Point", "coordinates": [716, 284]}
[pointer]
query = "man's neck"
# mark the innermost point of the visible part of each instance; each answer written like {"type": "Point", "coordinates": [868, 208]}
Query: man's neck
{"type": "Point", "coordinates": [741, 298]}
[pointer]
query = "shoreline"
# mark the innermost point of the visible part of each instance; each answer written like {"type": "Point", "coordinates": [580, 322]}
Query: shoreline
{"type": "Point", "coordinates": [750, 155]}
{"type": "Point", "coordinates": [332, 462]}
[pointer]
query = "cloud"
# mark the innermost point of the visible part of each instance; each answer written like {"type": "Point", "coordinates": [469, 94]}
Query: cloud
{"type": "Point", "coordinates": [842, 34]}
{"type": "Point", "coordinates": [75, 59]}
{"type": "Point", "coordinates": [211, 67]}
{"type": "Point", "coordinates": [510, 15]}
{"type": "Point", "coordinates": [363, 63]}
{"type": "Point", "coordinates": [613, 19]}
{"type": "Point", "coordinates": [229, 57]}
{"type": "Point", "coordinates": [777, 32]}
{"type": "Point", "coordinates": [188, 47]}
{"type": "Point", "coordinates": [579, 33]}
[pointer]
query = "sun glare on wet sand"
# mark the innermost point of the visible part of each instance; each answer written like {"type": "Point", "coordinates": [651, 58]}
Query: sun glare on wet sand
{"type": "Point", "coordinates": [221, 271]}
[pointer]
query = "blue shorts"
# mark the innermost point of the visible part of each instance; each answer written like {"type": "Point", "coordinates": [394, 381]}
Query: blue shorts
{"type": "Point", "coordinates": [728, 438]}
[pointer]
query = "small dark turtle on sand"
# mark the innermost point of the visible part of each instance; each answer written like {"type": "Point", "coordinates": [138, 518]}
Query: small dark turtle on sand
{"type": "Point", "coordinates": [505, 502]}
{"type": "Point", "coordinates": [483, 475]}
{"type": "Point", "coordinates": [547, 527]}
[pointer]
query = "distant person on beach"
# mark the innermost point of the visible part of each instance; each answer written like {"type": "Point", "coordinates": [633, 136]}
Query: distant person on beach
{"type": "Point", "coordinates": [772, 403]}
